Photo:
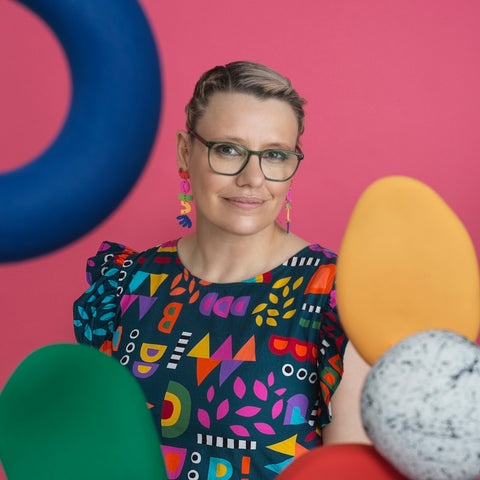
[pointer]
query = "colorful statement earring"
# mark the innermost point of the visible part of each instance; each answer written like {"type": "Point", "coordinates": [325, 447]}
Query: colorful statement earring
{"type": "Point", "coordinates": [185, 199]}
{"type": "Point", "coordinates": [287, 208]}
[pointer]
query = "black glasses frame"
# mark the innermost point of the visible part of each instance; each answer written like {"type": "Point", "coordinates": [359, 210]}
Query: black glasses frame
{"type": "Point", "coordinates": [300, 156]}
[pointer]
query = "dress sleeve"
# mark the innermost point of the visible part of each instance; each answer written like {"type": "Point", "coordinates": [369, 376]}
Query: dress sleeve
{"type": "Point", "coordinates": [96, 312]}
{"type": "Point", "coordinates": [333, 342]}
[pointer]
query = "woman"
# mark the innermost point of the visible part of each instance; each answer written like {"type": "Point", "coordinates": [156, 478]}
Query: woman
{"type": "Point", "coordinates": [232, 330]}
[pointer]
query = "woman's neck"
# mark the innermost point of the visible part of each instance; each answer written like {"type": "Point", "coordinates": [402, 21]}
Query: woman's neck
{"type": "Point", "coordinates": [226, 258]}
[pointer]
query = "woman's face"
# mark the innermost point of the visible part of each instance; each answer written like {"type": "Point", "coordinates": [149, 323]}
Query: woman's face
{"type": "Point", "coordinates": [245, 203]}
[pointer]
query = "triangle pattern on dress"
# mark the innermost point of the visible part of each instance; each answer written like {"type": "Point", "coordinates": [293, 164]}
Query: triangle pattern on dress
{"type": "Point", "coordinates": [201, 349]}
{"type": "Point", "coordinates": [247, 352]}
{"type": "Point", "coordinates": [126, 301]}
{"type": "Point", "coordinates": [204, 368]}
{"type": "Point", "coordinates": [145, 303]}
{"type": "Point", "coordinates": [137, 279]}
{"type": "Point", "coordinates": [155, 281]}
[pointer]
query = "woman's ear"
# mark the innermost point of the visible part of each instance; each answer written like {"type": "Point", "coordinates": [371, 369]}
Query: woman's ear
{"type": "Point", "coordinates": [184, 146]}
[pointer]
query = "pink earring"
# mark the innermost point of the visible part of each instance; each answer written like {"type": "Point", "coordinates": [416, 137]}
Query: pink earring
{"type": "Point", "coordinates": [287, 208]}
{"type": "Point", "coordinates": [185, 199]}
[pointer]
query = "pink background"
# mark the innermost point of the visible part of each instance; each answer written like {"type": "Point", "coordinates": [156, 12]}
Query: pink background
{"type": "Point", "coordinates": [392, 87]}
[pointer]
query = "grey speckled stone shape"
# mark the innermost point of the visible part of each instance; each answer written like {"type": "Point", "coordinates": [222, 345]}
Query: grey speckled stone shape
{"type": "Point", "coordinates": [420, 406]}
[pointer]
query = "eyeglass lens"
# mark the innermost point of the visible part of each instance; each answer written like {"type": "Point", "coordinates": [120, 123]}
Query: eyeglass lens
{"type": "Point", "coordinates": [230, 159]}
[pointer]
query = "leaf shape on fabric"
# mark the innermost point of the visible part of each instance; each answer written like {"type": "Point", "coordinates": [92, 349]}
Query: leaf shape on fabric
{"type": "Point", "coordinates": [107, 316]}
{"type": "Point", "coordinates": [248, 411]}
{"type": "Point", "coordinates": [260, 390]}
{"type": "Point", "coordinates": [223, 409]}
{"type": "Point", "coordinates": [176, 280]}
{"type": "Point", "coordinates": [289, 314]}
{"type": "Point", "coordinates": [108, 298]}
{"type": "Point", "coordinates": [239, 387]}
{"type": "Point", "coordinates": [203, 417]}
{"type": "Point", "coordinates": [239, 430]}
{"type": "Point", "coordinates": [194, 297]}
{"type": "Point", "coordinates": [282, 282]}
{"type": "Point", "coordinates": [264, 428]}
{"type": "Point", "coordinates": [277, 408]}
{"type": "Point", "coordinates": [210, 394]}
{"type": "Point", "coordinates": [259, 308]}
{"type": "Point", "coordinates": [288, 302]}
{"type": "Point", "coordinates": [298, 283]}
{"type": "Point", "coordinates": [177, 291]}
{"type": "Point", "coordinates": [88, 332]}
{"type": "Point", "coordinates": [271, 379]}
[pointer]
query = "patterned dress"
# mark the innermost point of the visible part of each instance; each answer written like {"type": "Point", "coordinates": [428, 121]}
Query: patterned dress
{"type": "Point", "coordinates": [238, 376]}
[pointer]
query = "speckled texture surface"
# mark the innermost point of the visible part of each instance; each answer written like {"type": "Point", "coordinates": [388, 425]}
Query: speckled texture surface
{"type": "Point", "coordinates": [420, 406]}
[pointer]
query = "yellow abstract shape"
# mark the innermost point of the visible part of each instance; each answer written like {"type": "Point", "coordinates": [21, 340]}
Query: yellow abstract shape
{"type": "Point", "coordinates": [259, 308]}
{"type": "Point", "coordinates": [201, 349]}
{"type": "Point", "coordinates": [406, 264]}
{"type": "Point", "coordinates": [155, 281]}
{"type": "Point", "coordinates": [287, 447]}
{"type": "Point", "coordinates": [151, 352]}
{"type": "Point", "coordinates": [282, 282]}
{"type": "Point", "coordinates": [288, 302]}
{"type": "Point", "coordinates": [176, 410]}
{"type": "Point", "coordinates": [297, 283]}
{"type": "Point", "coordinates": [273, 298]}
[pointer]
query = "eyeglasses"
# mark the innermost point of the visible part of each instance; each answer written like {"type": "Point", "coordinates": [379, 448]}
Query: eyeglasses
{"type": "Point", "coordinates": [226, 158]}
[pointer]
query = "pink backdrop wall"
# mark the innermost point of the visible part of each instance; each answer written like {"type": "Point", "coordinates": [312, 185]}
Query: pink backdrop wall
{"type": "Point", "coordinates": [393, 88]}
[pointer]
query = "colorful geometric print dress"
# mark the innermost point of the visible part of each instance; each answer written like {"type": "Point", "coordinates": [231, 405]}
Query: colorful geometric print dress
{"type": "Point", "coordinates": [238, 376]}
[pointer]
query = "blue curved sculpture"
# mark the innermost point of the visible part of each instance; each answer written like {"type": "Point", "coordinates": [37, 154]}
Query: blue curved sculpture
{"type": "Point", "coordinates": [108, 134]}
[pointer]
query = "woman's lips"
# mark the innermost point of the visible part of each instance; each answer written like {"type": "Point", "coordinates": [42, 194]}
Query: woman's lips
{"type": "Point", "coordinates": [246, 203]}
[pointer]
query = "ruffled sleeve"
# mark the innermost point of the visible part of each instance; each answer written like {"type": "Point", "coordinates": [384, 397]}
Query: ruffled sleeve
{"type": "Point", "coordinates": [333, 342]}
{"type": "Point", "coordinates": [96, 312]}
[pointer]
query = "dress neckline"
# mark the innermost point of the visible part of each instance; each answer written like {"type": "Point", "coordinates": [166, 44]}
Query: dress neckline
{"type": "Point", "coordinates": [261, 278]}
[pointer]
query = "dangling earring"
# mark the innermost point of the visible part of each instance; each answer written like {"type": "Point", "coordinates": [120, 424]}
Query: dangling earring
{"type": "Point", "coordinates": [287, 208]}
{"type": "Point", "coordinates": [185, 199]}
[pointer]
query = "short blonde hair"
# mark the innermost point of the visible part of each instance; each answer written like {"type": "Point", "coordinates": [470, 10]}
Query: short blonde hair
{"type": "Point", "coordinates": [244, 77]}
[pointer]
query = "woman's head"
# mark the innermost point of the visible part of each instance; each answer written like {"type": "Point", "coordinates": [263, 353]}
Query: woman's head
{"type": "Point", "coordinates": [243, 77]}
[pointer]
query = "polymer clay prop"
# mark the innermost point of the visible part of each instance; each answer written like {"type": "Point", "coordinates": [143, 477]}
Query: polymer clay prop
{"type": "Point", "coordinates": [341, 462]}
{"type": "Point", "coordinates": [108, 134]}
{"type": "Point", "coordinates": [420, 406]}
{"type": "Point", "coordinates": [70, 411]}
{"type": "Point", "coordinates": [406, 264]}
{"type": "Point", "coordinates": [408, 294]}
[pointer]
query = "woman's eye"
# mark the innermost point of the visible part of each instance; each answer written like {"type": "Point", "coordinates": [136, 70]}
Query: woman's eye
{"type": "Point", "coordinates": [278, 155]}
{"type": "Point", "coordinates": [227, 150]}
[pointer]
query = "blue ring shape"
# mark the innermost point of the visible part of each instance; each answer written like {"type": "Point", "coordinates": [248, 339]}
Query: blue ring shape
{"type": "Point", "coordinates": [108, 134]}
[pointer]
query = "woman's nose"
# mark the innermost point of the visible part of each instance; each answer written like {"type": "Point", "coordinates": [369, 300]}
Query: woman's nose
{"type": "Point", "coordinates": [252, 173]}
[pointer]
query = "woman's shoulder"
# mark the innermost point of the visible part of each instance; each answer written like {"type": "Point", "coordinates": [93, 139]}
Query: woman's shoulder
{"type": "Point", "coordinates": [113, 256]}
{"type": "Point", "coordinates": [312, 252]}
{"type": "Point", "coordinates": [298, 252]}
